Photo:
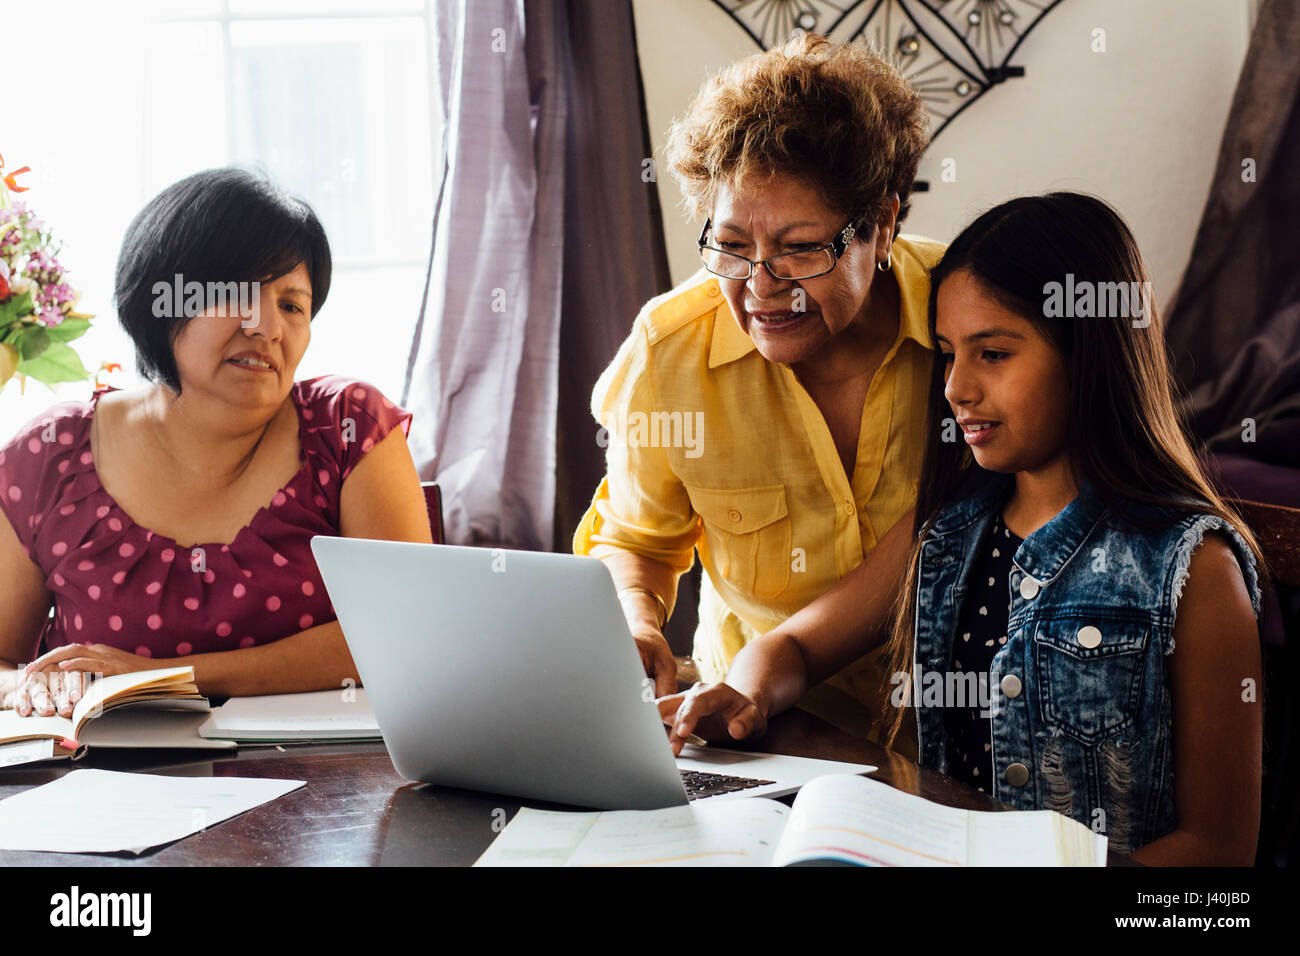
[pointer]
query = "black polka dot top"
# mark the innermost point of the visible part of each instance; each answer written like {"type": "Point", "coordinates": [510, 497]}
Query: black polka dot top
{"type": "Point", "coordinates": [981, 633]}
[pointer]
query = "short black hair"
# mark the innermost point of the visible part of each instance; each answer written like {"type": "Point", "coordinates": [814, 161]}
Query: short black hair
{"type": "Point", "coordinates": [219, 225]}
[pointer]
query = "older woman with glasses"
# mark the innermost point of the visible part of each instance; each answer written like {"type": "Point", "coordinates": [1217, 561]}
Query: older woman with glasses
{"type": "Point", "coordinates": [768, 412]}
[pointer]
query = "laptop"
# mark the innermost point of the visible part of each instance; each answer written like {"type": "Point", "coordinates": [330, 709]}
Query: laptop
{"type": "Point", "coordinates": [514, 672]}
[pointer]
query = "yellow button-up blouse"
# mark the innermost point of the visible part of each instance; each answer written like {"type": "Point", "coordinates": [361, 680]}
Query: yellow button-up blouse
{"type": "Point", "coordinates": [712, 447]}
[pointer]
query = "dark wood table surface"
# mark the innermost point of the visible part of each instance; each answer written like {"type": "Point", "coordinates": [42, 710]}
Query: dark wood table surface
{"type": "Point", "coordinates": [356, 811]}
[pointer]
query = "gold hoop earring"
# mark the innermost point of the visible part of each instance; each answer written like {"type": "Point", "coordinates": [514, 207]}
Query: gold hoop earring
{"type": "Point", "coordinates": [889, 261]}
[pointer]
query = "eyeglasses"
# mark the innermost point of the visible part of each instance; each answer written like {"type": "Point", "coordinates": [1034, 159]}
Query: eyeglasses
{"type": "Point", "coordinates": [805, 264]}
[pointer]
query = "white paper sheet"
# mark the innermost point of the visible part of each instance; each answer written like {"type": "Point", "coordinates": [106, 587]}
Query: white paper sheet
{"type": "Point", "coordinates": [26, 751]}
{"type": "Point", "coordinates": [735, 833]}
{"type": "Point", "coordinates": [106, 811]}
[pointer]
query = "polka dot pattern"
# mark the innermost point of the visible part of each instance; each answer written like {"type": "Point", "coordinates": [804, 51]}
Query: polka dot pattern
{"type": "Point", "coordinates": [127, 586]}
{"type": "Point", "coordinates": [982, 626]}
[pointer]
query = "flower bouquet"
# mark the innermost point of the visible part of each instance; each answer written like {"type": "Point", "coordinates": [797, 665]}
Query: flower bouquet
{"type": "Point", "coordinates": [38, 316]}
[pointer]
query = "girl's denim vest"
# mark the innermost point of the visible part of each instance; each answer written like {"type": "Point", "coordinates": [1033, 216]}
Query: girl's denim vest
{"type": "Point", "coordinates": [1079, 695]}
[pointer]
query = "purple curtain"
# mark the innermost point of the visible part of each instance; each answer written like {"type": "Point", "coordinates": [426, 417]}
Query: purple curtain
{"type": "Point", "coordinates": [546, 240]}
{"type": "Point", "coordinates": [1234, 328]}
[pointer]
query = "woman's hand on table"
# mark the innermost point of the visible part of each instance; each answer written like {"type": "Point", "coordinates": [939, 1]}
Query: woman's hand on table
{"type": "Point", "coordinates": [714, 711]}
{"type": "Point", "coordinates": [42, 693]}
{"type": "Point", "coordinates": [657, 659]}
{"type": "Point", "coordinates": [97, 659]}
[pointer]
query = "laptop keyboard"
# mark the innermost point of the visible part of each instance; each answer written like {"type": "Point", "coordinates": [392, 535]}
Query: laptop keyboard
{"type": "Point", "coordinates": [700, 784]}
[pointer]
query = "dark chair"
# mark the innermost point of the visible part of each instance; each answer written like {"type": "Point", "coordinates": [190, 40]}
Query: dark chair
{"type": "Point", "coordinates": [433, 502]}
{"type": "Point", "coordinates": [1278, 530]}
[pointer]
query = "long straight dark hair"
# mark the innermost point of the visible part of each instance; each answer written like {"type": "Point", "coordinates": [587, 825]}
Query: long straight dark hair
{"type": "Point", "coordinates": [1123, 431]}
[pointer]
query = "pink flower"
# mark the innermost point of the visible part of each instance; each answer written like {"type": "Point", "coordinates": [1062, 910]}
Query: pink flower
{"type": "Point", "coordinates": [43, 267]}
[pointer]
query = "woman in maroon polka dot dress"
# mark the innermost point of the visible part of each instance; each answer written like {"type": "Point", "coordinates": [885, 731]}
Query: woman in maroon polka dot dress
{"type": "Point", "coordinates": [172, 524]}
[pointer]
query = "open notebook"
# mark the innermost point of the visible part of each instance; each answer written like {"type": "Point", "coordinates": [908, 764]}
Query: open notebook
{"type": "Point", "coordinates": [836, 819]}
{"type": "Point", "coordinates": [157, 708]}
{"type": "Point", "coordinates": [314, 717]}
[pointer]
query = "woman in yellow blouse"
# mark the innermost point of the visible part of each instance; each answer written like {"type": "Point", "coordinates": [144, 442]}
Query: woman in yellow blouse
{"type": "Point", "coordinates": [768, 411]}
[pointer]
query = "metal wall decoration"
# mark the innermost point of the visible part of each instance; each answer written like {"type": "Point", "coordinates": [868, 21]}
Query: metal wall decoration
{"type": "Point", "coordinates": [952, 51]}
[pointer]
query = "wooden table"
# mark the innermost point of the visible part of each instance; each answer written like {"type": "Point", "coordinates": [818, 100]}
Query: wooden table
{"type": "Point", "coordinates": [356, 810]}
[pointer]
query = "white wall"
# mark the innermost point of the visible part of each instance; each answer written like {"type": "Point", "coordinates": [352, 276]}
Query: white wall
{"type": "Point", "coordinates": [1138, 125]}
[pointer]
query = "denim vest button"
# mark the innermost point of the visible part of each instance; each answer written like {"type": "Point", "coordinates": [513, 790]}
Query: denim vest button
{"type": "Point", "coordinates": [1028, 588]}
{"type": "Point", "coordinates": [1088, 637]}
{"type": "Point", "coordinates": [1011, 686]}
{"type": "Point", "coordinates": [1017, 775]}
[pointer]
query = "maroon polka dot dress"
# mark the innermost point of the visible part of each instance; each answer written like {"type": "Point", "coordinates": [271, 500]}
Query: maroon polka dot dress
{"type": "Point", "coordinates": [117, 583]}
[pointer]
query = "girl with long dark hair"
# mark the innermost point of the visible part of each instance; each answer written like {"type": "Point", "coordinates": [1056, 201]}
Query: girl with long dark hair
{"type": "Point", "coordinates": [1070, 612]}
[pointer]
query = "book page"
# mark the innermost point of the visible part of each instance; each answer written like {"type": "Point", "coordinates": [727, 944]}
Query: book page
{"type": "Point", "coordinates": [725, 833]}
{"type": "Point", "coordinates": [13, 727]}
{"type": "Point", "coordinates": [538, 838]}
{"type": "Point", "coordinates": [145, 725]}
{"type": "Point", "coordinates": [26, 751]}
{"type": "Point", "coordinates": [1026, 838]}
{"type": "Point", "coordinates": [852, 819]}
{"type": "Point", "coordinates": [105, 688]}
{"type": "Point", "coordinates": [1032, 838]}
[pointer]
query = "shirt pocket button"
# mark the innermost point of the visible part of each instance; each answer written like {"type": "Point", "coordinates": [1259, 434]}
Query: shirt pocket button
{"type": "Point", "coordinates": [734, 515]}
{"type": "Point", "coordinates": [1088, 637]}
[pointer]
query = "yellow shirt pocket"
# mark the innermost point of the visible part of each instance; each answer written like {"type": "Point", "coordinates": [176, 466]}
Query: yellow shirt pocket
{"type": "Point", "coordinates": [748, 533]}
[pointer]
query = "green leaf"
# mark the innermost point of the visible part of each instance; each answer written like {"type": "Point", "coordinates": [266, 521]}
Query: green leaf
{"type": "Point", "coordinates": [16, 308]}
{"type": "Point", "coordinates": [68, 329]}
{"type": "Point", "coordinates": [58, 363]}
{"type": "Point", "coordinates": [32, 341]}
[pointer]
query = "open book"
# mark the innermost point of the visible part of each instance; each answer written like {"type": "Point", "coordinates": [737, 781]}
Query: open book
{"type": "Point", "coordinates": [836, 819]}
{"type": "Point", "coordinates": [157, 708]}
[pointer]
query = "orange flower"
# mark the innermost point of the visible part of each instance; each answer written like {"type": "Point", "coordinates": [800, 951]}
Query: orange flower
{"type": "Point", "coordinates": [8, 179]}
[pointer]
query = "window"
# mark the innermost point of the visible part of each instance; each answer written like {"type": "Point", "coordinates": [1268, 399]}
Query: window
{"type": "Point", "coordinates": [331, 97]}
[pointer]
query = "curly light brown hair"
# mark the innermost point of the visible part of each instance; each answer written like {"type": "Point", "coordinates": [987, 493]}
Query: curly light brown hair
{"type": "Point", "coordinates": [836, 116]}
